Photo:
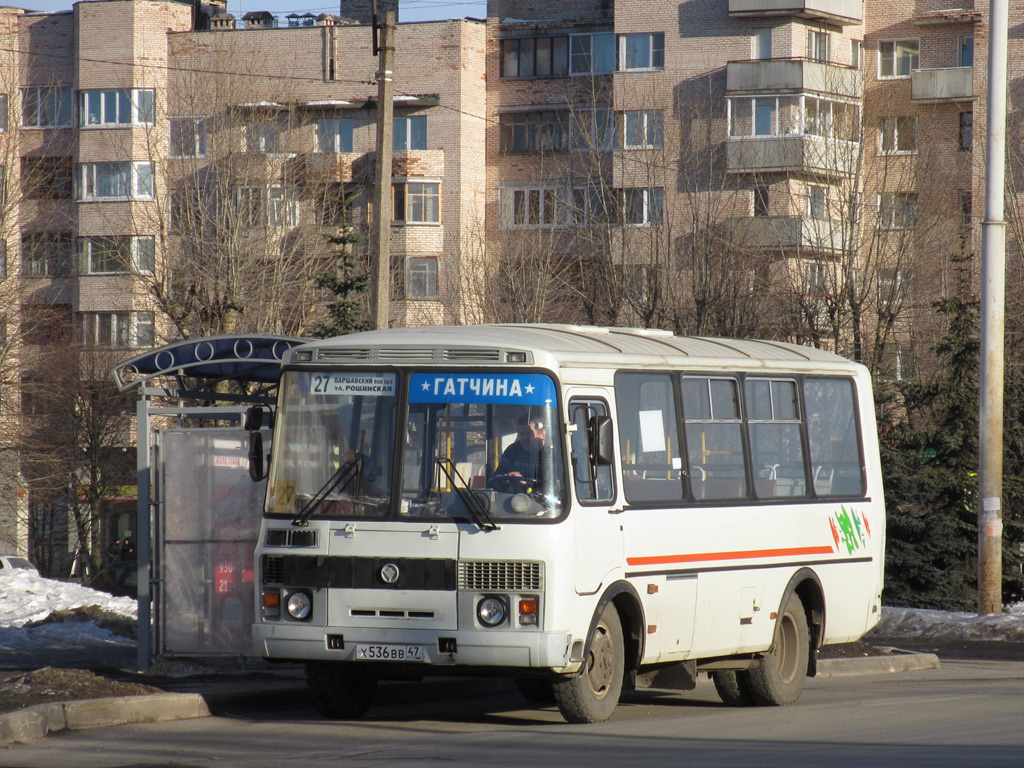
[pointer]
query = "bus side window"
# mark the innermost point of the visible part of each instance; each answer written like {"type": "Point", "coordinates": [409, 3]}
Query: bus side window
{"type": "Point", "coordinates": [649, 442]}
{"type": "Point", "coordinates": [714, 438]}
{"type": "Point", "coordinates": [833, 437]}
{"type": "Point", "coordinates": [593, 482]}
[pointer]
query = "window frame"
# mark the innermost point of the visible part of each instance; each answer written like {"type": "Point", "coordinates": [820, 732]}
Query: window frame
{"type": "Point", "coordinates": [517, 206]}
{"type": "Point", "coordinates": [893, 130]}
{"type": "Point", "coordinates": [194, 143]}
{"type": "Point", "coordinates": [651, 205]}
{"type": "Point", "coordinates": [965, 140]}
{"type": "Point", "coordinates": [116, 107]}
{"type": "Point", "coordinates": [889, 64]}
{"type": "Point", "coordinates": [46, 253]}
{"type": "Point", "coordinates": [141, 252]}
{"type": "Point", "coordinates": [654, 53]}
{"type": "Point", "coordinates": [405, 191]}
{"type": "Point", "coordinates": [893, 208]}
{"type": "Point", "coordinates": [334, 135]}
{"type": "Point", "coordinates": [650, 128]}
{"type": "Point", "coordinates": [817, 202]}
{"type": "Point", "coordinates": [427, 278]}
{"type": "Point", "coordinates": [818, 39]}
{"type": "Point", "coordinates": [409, 133]}
{"type": "Point", "coordinates": [140, 181]}
{"type": "Point", "coordinates": [123, 329]}
{"type": "Point", "coordinates": [61, 111]}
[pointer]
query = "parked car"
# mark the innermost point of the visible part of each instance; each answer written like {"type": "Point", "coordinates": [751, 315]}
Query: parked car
{"type": "Point", "coordinates": [10, 562]}
{"type": "Point", "coordinates": [120, 578]}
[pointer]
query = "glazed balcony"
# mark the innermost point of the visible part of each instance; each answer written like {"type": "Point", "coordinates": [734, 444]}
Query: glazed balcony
{"type": "Point", "coordinates": [842, 11]}
{"type": "Point", "coordinates": [791, 154]}
{"type": "Point", "coordinates": [942, 85]}
{"type": "Point", "coordinates": [786, 233]}
{"type": "Point", "coordinates": [793, 76]}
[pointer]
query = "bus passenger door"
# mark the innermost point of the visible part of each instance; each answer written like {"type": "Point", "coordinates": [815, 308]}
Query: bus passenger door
{"type": "Point", "coordinates": [598, 527]}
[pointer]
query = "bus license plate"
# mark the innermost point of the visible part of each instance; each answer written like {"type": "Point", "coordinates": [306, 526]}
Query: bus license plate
{"type": "Point", "coordinates": [389, 652]}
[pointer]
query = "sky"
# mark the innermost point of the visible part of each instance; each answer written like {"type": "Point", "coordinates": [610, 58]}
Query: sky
{"type": "Point", "coordinates": [409, 10]}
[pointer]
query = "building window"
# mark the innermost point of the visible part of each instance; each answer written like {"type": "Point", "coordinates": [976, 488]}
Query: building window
{"type": "Point", "coordinates": [592, 205]}
{"type": "Point", "coordinates": [816, 199]}
{"type": "Point", "coordinates": [333, 135]}
{"type": "Point", "coordinates": [188, 137]}
{"type": "Point", "coordinates": [117, 330]}
{"type": "Point", "coordinates": [898, 134]}
{"type": "Point", "coordinates": [965, 51]}
{"type": "Point", "coordinates": [47, 107]}
{"type": "Point", "coordinates": [3, 113]}
{"type": "Point", "coordinates": [643, 129]}
{"type": "Point", "coordinates": [891, 288]}
{"type": "Point", "coordinates": [282, 206]}
{"type": "Point", "coordinates": [897, 210]}
{"type": "Point", "coordinates": [966, 208]}
{"type": "Point", "coordinates": [531, 207]}
{"type": "Point", "coordinates": [831, 119]}
{"type": "Point", "coordinates": [898, 58]}
{"type": "Point", "coordinates": [815, 279]}
{"type": "Point", "coordinates": [535, 57]}
{"type": "Point", "coordinates": [764, 116]}
{"type": "Point", "coordinates": [421, 278]}
{"type": "Point", "coordinates": [819, 45]}
{"type": "Point", "coordinates": [47, 178]}
{"type": "Point", "coordinates": [526, 132]}
{"type": "Point", "coordinates": [592, 130]}
{"type": "Point", "coordinates": [643, 207]}
{"type": "Point", "coordinates": [45, 324]}
{"type": "Point", "coordinates": [46, 254]}
{"type": "Point", "coordinates": [856, 48]}
{"type": "Point", "coordinates": [116, 254]}
{"type": "Point", "coordinates": [641, 50]}
{"type": "Point", "coordinates": [120, 106]}
{"type": "Point", "coordinates": [592, 54]}
{"type": "Point", "coordinates": [410, 133]}
{"type": "Point", "coordinates": [760, 201]}
{"type": "Point", "coordinates": [115, 181]}
{"type": "Point", "coordinates": [762, 43]}
{"type": "Point", "coordinates": [416, 202]}
{"type": "Point", "coordinates": [260, 138]}
{"type": "Point", "coordinates": [966, 130]}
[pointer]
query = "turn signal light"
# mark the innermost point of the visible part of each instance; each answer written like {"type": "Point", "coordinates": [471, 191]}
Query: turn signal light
{"type": "Point", "coordinates": [272, 604]}
{"type": "Point", "coordinates": [528, 610]}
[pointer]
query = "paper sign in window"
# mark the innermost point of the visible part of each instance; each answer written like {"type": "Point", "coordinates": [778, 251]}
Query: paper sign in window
{"type": "Point", "coordinates": [652, 431]}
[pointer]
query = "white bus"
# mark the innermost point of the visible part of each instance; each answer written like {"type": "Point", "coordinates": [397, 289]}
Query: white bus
{"type": "Point", "coordinates": [585, 510]}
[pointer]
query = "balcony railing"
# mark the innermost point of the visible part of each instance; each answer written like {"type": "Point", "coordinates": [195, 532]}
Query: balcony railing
{"type": "Point", "coordinates": [793, 75]}
{"type": "Point", "coordinates": [791, 154]}
{"type": "Point", "coordinates": [845, 11]}
{"type": "Point", "coordinates": [787, 233]}
{"type": "Point", "coordinates": [948, 84]}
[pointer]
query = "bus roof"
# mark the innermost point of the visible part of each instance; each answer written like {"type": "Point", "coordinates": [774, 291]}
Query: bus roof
{"type": "Point", "coordinates": [567, 345]}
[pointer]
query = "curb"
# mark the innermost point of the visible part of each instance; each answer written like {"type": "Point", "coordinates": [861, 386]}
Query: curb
{"type": "Point", "coordinates": [33, 723]}
{"type": "Point", "coordinates": [894, 661]}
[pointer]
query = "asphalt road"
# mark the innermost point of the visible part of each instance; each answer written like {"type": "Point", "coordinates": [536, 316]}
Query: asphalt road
{"type": "Point", "coordinates": [965, 713]}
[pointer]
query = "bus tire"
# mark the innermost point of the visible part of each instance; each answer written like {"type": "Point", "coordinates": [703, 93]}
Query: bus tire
{"type": "Point", "coordinates": [733, 688]}
{"type": "Point", "coordinates": [340, 691]}
{"type": "Point", "coordinates": [779, 678]}
{"type": "Point", "coordinates": [591, 695]}
{"type": "Point", "coordinates": [536, 690]}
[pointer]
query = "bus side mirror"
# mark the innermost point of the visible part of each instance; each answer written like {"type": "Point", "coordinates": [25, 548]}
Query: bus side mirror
{"type": "Point", "coordinates": [256, 469]}
{"type": "Point", "coordinates": [253, 419]}
{"type": "Point", "coordinates": [599, 438]}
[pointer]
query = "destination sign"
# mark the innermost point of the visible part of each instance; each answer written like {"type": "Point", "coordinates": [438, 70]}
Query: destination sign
{"type": "Point", "coordinates": [354, 384]}
{"type": "Point", "coordinates": [500, 388]}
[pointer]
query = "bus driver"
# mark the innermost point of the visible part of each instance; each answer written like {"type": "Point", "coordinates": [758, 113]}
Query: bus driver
{"type": "Point", "coordinates": [525, 465]}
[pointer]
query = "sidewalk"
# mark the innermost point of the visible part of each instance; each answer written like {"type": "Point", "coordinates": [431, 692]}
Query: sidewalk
{"type": "Point", "coordinates": [246, 691]}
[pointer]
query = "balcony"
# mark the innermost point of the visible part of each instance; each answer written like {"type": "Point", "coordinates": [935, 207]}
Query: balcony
{"type": "Point", "coordinates": [939, 85]}
{"type": "Point", "coordinates": [842, 11]}
{"type": "Point", "coordinates": [793, 75]}
{"type": "Point", "coordinates": [786, 233]}
{"type": "Point", "coordinates": [791, 154]}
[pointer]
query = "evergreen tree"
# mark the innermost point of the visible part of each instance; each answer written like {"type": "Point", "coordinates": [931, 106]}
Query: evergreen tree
{"type": "Point", "coordinates": [347, 282]}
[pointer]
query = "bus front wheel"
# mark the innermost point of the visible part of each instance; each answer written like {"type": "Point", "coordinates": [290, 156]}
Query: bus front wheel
{"type": "Point", "coordinates": [592, 695]}
{"type": "Point", "coordinates": [340, 691]}
{"type": "Point", "coordinates": [779, 678]}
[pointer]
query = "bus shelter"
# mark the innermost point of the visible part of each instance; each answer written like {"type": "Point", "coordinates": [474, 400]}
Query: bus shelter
{"type": "Point", "coordinates": [198, 508]}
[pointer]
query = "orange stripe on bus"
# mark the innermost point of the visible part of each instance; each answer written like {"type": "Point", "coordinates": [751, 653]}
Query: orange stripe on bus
{"type": "Point", "coordinates": [753, 554]}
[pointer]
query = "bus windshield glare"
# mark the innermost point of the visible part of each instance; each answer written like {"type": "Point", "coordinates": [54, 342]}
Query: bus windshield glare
{"type": "Point", "coordinates": [482, 447]}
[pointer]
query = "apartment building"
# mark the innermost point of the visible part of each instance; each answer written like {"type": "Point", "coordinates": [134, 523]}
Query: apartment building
{"type": "Point", "coordinates": [799, 168]}
{"type": "Point", "coordinates": [172, 171]}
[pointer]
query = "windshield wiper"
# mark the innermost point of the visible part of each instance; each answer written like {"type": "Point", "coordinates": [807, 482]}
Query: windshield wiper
{"type": "Point", "coordinates": [339, 481]}
{"type": "Point", "coordinates": [477, 509]}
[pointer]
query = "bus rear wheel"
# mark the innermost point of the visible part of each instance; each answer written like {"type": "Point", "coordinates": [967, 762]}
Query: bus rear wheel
{"type": "Point", "coordinates": [340, 691]}
{"type": "Point", "coordinates": [592, 695]}
{"type": "Point", "coordinates": [733, 688]}
{"type": "Point", "coordinates": [779, 678]}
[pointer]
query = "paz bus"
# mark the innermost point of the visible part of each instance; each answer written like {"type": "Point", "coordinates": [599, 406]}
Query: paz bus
{"type": "Point", "coordinates": [584, 510]}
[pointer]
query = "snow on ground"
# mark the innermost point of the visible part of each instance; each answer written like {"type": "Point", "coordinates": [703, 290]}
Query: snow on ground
{"type": "Point", "coordinates": [26, 597]}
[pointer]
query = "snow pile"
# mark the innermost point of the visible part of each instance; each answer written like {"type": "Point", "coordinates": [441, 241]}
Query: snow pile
{"type": "Point", "coordinates": [921, 624]}
{"type": "Point", "coordinates": [25, 597]}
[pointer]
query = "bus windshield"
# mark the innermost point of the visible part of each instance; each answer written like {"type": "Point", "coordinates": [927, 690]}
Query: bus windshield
{"type": "Point", "coordinates": [334, 444]}
{"type": "Point", "coordinates": [483, 446]}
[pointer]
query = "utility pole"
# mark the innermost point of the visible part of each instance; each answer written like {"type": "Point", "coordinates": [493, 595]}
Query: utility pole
{"type": "Point", "coordinates": [380, 294]}
{"type": "Point", "coordinates": [993, 302]}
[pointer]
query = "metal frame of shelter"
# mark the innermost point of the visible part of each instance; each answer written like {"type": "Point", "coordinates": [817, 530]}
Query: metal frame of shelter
{"type": "Point", "coordinates": [190, 374]}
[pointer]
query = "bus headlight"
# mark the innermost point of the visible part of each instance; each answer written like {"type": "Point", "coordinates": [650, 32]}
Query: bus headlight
{"type": "Point", "coordinates": [299, 605]}
{"type": "Point", "coordinates": [491, 611]}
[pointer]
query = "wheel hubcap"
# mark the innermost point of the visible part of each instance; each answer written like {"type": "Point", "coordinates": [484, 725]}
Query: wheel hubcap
{"type": "Point", "coordinates": [601, 664]}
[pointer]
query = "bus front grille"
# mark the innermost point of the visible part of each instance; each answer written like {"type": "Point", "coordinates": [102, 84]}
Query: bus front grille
{"type": "Point", "coordinates": [503, 576]}
{"type": "Point", "coordinates": [273, 569]}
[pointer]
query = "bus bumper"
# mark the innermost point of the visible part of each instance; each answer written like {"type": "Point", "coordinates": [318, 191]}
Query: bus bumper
{"type": "Point", "coordinates": [476, 648]}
